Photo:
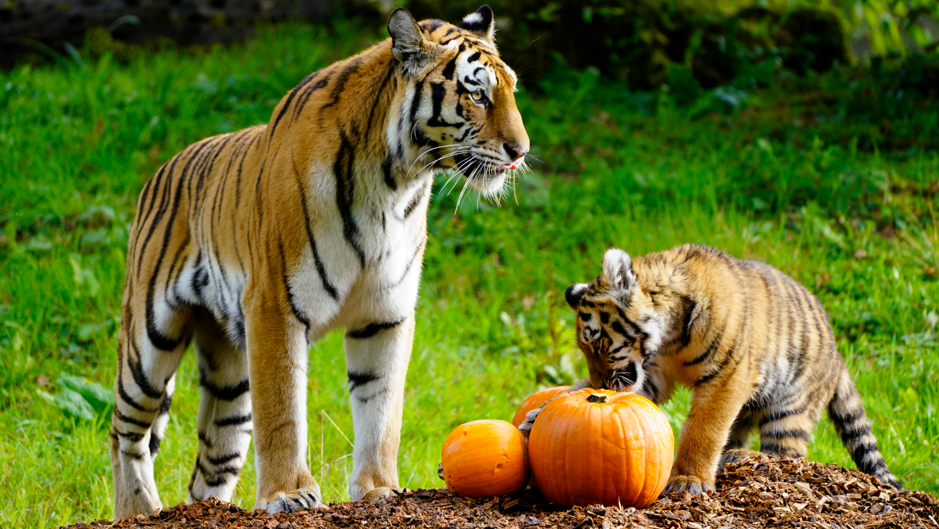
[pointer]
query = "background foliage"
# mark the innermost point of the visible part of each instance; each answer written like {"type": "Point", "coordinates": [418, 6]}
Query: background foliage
{"type": "Point", "coordinates": [832, 177]}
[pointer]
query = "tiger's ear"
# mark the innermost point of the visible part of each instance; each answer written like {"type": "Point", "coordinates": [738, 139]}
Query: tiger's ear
{"type": "Point", "coordinates": [618, 270]}
{"type": "Point", "coordinates": [407, 42]}
{"type": "Point", "coordinates": [481, 23]}
{"type": "Point", "coordinates": [574, 294]}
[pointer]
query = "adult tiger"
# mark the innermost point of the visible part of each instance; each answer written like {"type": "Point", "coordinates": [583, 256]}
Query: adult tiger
{"type": "Point", "coordinates": [253, 245]}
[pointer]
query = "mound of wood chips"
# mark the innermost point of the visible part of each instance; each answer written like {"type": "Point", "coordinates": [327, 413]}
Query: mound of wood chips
{"type": "Point", "coordinates": [757, 492]}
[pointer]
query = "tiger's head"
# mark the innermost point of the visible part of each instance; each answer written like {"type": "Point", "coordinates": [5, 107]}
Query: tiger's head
{"type": "Point", "coordinates": [623, 319]}
{"type": "Point", "coordinates": [457, 110]}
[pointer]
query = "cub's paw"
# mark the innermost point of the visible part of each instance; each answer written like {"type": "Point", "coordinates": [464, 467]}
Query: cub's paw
{"type": "Point", "coordinates": [291, 501]}
{"type": "Point", "coordinates": [692, 484]}
{"type": "Point", "coordinates": [529, 421]}
{"type": "Point", "coordinates": [737, 454]}
{"type": "Point", "coordinates": [379, 493]}
{"type": "Point", "coordinates": [440, 472]}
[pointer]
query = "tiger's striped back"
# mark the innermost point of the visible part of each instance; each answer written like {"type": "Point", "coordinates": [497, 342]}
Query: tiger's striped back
{"type": "Point", "coordinates": [755, 346]}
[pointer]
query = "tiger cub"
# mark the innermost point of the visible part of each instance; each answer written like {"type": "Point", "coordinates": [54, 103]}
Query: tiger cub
{"type": "Point", "coordinates": [754, 345]}
{"type": "Point", "coordinates": [253, 245]}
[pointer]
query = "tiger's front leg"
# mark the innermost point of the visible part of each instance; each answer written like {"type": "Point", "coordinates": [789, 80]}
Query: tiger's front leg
{"type": "Point", "coordinates": [277, 357]}
{"type": "Point", "coordinates": [377, 355]}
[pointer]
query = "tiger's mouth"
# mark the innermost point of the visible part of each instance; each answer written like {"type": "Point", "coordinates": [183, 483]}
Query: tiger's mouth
{"type": "Point", "coordinates": [485, 176]}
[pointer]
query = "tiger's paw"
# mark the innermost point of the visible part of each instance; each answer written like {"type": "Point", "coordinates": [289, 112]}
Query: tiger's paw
{"type": "Point", "coordinates": [691, 484]}
{"type": "Point", "coordinates": [297, 500]}
{"type": "Point", "coordinates": [379, 493]}
{"type": "Point", "coordinates": [529, 421]}
{"type": "Point", "coordinates": [737, 454]}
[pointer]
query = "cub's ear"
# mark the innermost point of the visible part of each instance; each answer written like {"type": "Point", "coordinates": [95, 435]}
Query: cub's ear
{"type": "Point", "coordinates": [481, 23]}
{"type": "Point", "coordinates": [407, 42]}
{"type": "Point", "coordinates": [574, 294]}
{"type": "Point", "coordinates": [618, 270]}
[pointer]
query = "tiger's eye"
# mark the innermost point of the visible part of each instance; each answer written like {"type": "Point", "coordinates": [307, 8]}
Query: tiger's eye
{"type": "Point", "coordinates": [477, 95]}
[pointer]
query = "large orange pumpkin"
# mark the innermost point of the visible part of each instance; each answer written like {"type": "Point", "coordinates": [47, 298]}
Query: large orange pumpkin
{"type": "Point", "coordinates": [599, 446]}
{"type": "Point", "coordinates": [485, 458]}
{"type": "Point", "coordinates": [536, 399]}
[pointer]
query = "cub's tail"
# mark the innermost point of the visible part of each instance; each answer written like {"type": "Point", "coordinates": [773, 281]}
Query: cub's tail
{"type": "Point", "coordinates": [847, 413]}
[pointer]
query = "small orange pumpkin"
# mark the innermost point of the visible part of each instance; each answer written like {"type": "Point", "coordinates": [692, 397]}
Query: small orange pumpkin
{"type": "Point", "coordinates": [536, 399]}
{"type": "Point", "coordinates": [485, 458]}
{"type": "Point", "coordinates": [598, 446]}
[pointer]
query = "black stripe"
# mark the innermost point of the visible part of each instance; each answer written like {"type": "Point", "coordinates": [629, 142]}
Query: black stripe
{"type": "Point", "coordinates": [320, 267]}
{"type": "Point", "coordinates": [223, 392]}
{"type": "Point", "coordinates": [388, 175]}
{"type": "Point", "coordinates": [133, 455]}
{"type": "Point", "coordinates": [716, 371]}
{"type": "Point", "coordinates": [290, 96]}
{"type": "Point", "coordinates": [474, 57]}
{"type": "Point", "coordinates": [373, 328]}
{"type": "Point", "coordinates": [133, 437]}
{"type": "Point", "coordinates": [165, 404]}
{"type": "Point", "coordinates": [340, 84]}
{"type": "Point", "coordinates": [407, 269]}
{"type": "Point", "coordinates": [358, 379]}
{"type": "Point", "coordinates": [307, 92]}
{"type": "Point", "coordinates": [785, 434]}
{"type": "Point", "coordinates": [775, 449]}
{"type": "Point", "coordinates": [776, 415]}
{"type": "Point", "coordinates": [415, 200]}
{"type": "Point", "coordinates": [230, 469]}
{"type": "Point", "coordinates": [649, 388]}
{"type": "Point", "coordinates": [205, 440]}
{"type": "Point", "coordinates": [689, 306]}
{"type": "Point", "coordinates": [850, 433]}
{"type": "Point", "coordinates": [416, 101]}
{"type": "Point", "coordinates": [150, 189]}
{"type": "Point", "coordinates": [126, 398]}
{"type": "Point", "coordinates": [154, 444]}
{"type": "Point", "coordinates": [171, 276]}
{"type": "Point", "coordinates": [345, 194]}
{"type": "Point", "coordinates": [712, 346]}
{"type": "Point", "coordinates": [206, 167]}
{"type": "Point", "coordinates": [293, 305]}
{"type": "Point", "coordinates": [130, 420]}
{"type": "Point", "coordinates": [233, 420]}
{"type": "Point", "coordinates": [301, 103]}
{"type": "Point", "coordinates": [158, 216]}
{"type": "Point", "coordinates": [867, 467]}
{"type": "Point", "coordinates": [136, 371]}
{"type": "Point", "coordinates": [433, 25]}
{"type": "Point", "coordinates": [157, 338]}
{"type": "Point", "coordinates": [382, 90]}
{"type": "Point", "coordinates": [842, 421]}
{"type": "Point", "coordinates": [450, 68]}
{"type": "Point", "coordinates": [437, 92]}
{"type": "Point", "coordinates": [364, 400]}
{"type": "Point", "coordinates": [222, 459]}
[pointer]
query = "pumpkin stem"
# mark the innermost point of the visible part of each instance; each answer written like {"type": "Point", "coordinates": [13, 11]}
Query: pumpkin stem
{"type": "Point", "coordinates": [597, 397]}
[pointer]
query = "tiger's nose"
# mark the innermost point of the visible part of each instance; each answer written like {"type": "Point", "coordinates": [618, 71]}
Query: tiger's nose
{"type": "Point", "coordinates": [515, 152]}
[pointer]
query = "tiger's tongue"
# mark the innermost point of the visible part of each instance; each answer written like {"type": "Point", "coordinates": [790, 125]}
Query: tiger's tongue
{"type": "Point", "coordinates": [511, 165]}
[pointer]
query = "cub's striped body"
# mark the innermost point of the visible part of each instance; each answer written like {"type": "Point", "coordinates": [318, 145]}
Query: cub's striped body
{"type": "Point", "coordinates": [253, 245]}
{"type": "Point", "coordinates": [754, 345]}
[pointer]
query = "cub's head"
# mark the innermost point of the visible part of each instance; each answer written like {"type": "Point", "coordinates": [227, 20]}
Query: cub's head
{"type": "Point", "coordinates": [457, 109]}
{"type": "Point", "coordinates": [622, 321]}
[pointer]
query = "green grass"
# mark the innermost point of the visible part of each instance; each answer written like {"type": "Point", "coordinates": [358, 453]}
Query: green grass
{"type": "Point", "coordinates": [796, 179]}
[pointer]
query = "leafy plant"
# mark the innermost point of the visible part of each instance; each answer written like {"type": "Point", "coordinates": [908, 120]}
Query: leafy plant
{"type": "Point", "coordinates": [79, 399]}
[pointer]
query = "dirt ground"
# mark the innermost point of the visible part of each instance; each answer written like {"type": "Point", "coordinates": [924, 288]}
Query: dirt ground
{"type": "Point", "coordinates": [759, 492]}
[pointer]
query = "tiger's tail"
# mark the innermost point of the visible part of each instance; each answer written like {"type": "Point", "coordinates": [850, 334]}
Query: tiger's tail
{"type": "Point", "coordinates": [847, 413]}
